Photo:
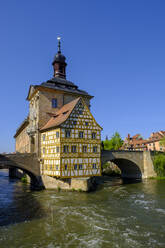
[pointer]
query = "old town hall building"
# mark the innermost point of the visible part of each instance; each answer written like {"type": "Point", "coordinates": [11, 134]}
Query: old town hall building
{"type": "Point", "coordinates": [60, 128]}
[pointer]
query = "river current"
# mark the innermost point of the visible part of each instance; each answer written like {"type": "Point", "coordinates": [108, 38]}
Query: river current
{"type": "Point", "coordinates": [116, 215]}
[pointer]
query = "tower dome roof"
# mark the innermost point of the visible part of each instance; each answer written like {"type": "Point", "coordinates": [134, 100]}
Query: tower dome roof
{"type": "Point", "coordinates": [59, 57]}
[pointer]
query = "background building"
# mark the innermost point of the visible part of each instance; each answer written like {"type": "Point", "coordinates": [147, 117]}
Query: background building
{"type": "Point", "coordinates": [137, 142]}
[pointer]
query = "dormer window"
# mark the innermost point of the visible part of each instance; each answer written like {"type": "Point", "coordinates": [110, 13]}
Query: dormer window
{"type": "Point", "coordinates": [54, 103]}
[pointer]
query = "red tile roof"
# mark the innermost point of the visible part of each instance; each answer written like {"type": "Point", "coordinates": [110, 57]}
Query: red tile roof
{"type": "Point", "coordinates": [138, 142]}
{"type": "Point", "coordinates": [157, 135]}
{"type": "Point", "coordinates": [137, 136]}
{"type": "Point", "coordinates": [61, 115]}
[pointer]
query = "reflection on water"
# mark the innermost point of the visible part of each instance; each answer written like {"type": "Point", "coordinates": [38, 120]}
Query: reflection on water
{"type": "Point", "coordinates": [17, 203]}
{"type": "Point", "coordinates": [122, 215]}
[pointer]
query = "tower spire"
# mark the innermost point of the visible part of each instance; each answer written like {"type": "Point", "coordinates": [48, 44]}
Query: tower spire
{"type": "Point", "coordinates": [59, 63]}
{"type": "Point", "coordinates": [59, 44]}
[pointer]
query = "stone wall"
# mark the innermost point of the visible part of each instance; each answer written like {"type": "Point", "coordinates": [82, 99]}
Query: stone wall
{"type": "Point", "coordinates": [77, 184]}
{"type": "Point", "coordinates": [22, 143]}
{"type": "Point", "coordinates": [82, 184]}
{"type": "Point", "coordinates": [148, 165]}
{"type": "Point", "coordinates": [53, 183]}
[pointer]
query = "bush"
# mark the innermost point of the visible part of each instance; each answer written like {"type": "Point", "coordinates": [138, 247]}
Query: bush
{"type": "Point", "coordinates": [24, 179]}
{"type": "Point", "coordinates": [58, 188]}
{"type": "Point", "coordinates": [159, 164]}
{"type": "Point", "coordinates": [110, 169]}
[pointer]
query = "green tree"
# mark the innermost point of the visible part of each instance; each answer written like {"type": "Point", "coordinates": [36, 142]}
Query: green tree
{"type": "Point", "coordinates": [162, 141]}
{"type": "Point", "coordinates": [114, 143]}
{"type": "Point", "coordinates": [159, 164]}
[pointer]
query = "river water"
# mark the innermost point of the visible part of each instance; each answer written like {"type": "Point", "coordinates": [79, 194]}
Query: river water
{"type": "Point", "coordinates": [116, 215]}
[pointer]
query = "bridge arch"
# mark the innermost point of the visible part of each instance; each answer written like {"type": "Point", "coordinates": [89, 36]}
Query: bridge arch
{"type": "Point", "coordinates": [130, 163]}
{"type": "Point", "coordinates": [28, 163]}
{"type": "Point", "coordinates": [129, 169]}
{"type": "Point", "coordinates": [34, 180]}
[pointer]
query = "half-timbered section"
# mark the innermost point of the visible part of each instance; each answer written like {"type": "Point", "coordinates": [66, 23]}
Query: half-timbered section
{"type": "Point", "coordinates": [71, 142]}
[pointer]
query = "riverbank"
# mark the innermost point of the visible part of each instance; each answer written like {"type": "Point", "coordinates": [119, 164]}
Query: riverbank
{"type": "Point", "coordinates": [157, 178]}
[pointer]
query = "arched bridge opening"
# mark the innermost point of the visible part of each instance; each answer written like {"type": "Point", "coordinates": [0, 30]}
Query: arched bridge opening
{"type": "Point", "coordinates": [15, 171]}
{"type": "Point", "coordinates": [129, 163]}
{"type": "Point", "coordinates": [28, 163]}
{"type": "Point", "coordinates": [128, 168]}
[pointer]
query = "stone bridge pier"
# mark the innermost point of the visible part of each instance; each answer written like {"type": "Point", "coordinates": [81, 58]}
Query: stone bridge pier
{"type": "Point", "coordinates": [133, 164]}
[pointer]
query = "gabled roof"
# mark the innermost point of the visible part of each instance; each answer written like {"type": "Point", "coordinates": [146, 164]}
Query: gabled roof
{"type": "Point", "coordinates": [61, 115]}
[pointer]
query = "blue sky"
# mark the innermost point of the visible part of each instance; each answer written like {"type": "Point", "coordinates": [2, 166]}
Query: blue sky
{"type": "Point", "coordinates": [115, 50]}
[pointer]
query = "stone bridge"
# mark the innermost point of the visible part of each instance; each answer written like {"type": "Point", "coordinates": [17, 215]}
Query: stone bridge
{"type": "Point", "coordinates": [27, 162]}
{"type": "Point", "coordinates": [133, 164]}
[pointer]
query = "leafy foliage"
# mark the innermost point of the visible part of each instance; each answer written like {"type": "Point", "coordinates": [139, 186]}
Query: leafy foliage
{"type": "Point", "coordinates": [162, 142]}
{"type": "Point", "coordinates": [24, 179]}
{"type": "Point", "coordinates": [114, 143]}
{"type": "Point", "coordinates": [159, 164]}
{"type": "Point", "coordinates": [110, 169]}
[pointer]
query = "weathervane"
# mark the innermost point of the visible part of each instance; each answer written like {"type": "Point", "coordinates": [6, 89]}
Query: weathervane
{"type": "Point", "coordinates": [59, 44]}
